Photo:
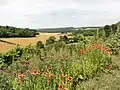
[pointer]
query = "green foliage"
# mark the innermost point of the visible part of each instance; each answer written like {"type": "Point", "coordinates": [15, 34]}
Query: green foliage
{"type": "Point", "coordinates": [28, 52]}
{"type": "Point", "coordinates": [114, 28]}
{"type": "Point", "coordinates": [90, 32]}
{"type": "Point", "coordinates": [50, 40]}
{"type": "Point", "coordinates": [9, 57]}
{"type": "Point", "coordinates": [64, 39]}
{"type": "Point", "coordinates": [39, 45]}
{"type": "Point", "coordinates": [8, 31]}
{"type": "Point", "coordinates": [107, 29]}
{"type": "Point", "coordinates": [114, 43]}
{"type": "Point", "coordinates": [5, 82]}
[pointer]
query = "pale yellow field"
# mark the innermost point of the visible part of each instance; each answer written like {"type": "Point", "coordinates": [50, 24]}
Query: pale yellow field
{"type": "Point", "coordinates": [25, 41]}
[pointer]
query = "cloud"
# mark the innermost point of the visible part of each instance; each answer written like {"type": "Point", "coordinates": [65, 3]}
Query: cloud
{"type": "Point", "coordinates": [58, 13]}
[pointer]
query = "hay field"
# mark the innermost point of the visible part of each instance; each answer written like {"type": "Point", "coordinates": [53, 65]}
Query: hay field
{"type": "Point", "coordinates": [25, 41]}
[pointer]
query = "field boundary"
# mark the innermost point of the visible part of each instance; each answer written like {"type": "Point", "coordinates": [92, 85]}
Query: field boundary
{"type": "Point", "coordinates": [8, 42]}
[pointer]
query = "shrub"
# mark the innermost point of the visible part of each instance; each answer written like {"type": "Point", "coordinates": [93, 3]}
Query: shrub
{"type": "Point", "coordinates": [50, 40]}
{"type": "Point", "coordinates": [39, 45]}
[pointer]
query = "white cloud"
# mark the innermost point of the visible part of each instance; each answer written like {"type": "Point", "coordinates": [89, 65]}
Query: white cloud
{"type": "Point", "coordinates": [56, 13]}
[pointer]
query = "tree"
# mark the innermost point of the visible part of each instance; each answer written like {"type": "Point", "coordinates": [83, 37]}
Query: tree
{"type": "Point", "coordinates": [8, 31]}
{"type": "Point", "coordinates": [114, 28]}
{"type": "Point", "coordinates": [107, 29]}
{"type": "Point", "coordinates": [100, 32]}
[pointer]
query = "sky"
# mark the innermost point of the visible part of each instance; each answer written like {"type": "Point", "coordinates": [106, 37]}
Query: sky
{"type": "Point", "coordinates": [58, 13]}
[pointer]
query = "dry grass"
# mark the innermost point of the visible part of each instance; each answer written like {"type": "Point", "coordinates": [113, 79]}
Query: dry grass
{"type": "Point", "coordinates": [25, 41]}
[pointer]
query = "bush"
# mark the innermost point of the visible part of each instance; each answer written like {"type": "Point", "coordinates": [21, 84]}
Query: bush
{"type": "Point", "coordinates": [64, 39]}
{"type": "Point", "coordinates": [50, 40]}
{"type": "Point", "coordinates": [39, 44]}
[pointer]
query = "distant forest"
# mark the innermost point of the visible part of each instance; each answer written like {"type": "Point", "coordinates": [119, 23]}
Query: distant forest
{"type": "Point", "coordinates": [9, 31]}
{"type": "Point", "coordinates": [55, 30]}
{"type": "Point", "coordinates": [66, 29]}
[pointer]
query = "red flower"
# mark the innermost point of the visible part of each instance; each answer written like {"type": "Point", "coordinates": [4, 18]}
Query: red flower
{"type": "Point", "coordinates": [60, 87]}
{"type": "Point", "coordinates": [70, 79]}
{"type": "Point", "coordinates": [62, 75]}
{"type": "Point", "coordinates": [110, 66]}
{"type": "Point", "coordinates": [21, 76]}
{"type": "Point", "coordinates": [35, 72]}
{"type": "Point", "coordinates": [49, 67]}
{"type": "Point", "coordinates": [108, 51]}
{"type": "Point", "coordinates": [81, 52]}
{"type": "Point", "coordinates": [65, 89]}
{"type": "Point", "coordinates": [51, 75]}
{"type": "Point", "coordinates": [102, 47]}
{"type": "Point", "coordinates": [28, 71]}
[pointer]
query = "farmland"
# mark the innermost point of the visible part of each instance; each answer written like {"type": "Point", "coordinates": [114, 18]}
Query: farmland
{"type": "Point", "coordinates": [25, 41]}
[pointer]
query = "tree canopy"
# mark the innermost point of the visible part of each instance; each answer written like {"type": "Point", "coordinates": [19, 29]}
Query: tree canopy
{"type": "Point", "coordinates": [9, 31]}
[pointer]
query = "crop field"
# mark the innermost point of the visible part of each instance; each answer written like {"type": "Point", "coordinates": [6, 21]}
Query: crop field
{"type": "Point", "coordinates": [5, 46]}
{"type": "Point", "coordinates": [26, 41]}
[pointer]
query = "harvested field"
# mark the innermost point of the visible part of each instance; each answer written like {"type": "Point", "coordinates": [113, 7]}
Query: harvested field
{"type": "Point", "coordinates": [5, 46]}
{"type": "Point", "coordinates": [26, 41]}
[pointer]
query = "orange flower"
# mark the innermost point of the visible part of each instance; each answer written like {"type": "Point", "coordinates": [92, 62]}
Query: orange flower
{"type": "Point", "coordinates": [51, 75]}
{"type": "Point", "coordinates": [28, 71]}
{"type": "Point", "coordinates": [110, 66]}
{"type": "Point", "coordinates": [108, 51]}
{"type": "Point", "coordinates": [49, 81]}
{"type": "Point", "coordinates": [62, 75]}
{"type": "Point", "coordinates": [65, 89]}
{"type": "Point", "coordinates": [49, 67]}
{"type": "Point", "coordinates": [35, 72]}
{"type": "Point", "coordinates": [60, 87]}
{"type": "Point", "coordinates": [81, 52]}
{"type": "Point", "coordinates": [21, 76]}
{"type": "Point", "coordinates": [70, 78]}
{"type": "Point", "coordinates": [102, 47]}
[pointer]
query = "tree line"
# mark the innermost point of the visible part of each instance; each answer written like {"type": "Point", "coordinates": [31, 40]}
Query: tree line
{"type": "Point", "coordinates": [9, 31]}
{"type": "Point", "coordinates": [107, 30]}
